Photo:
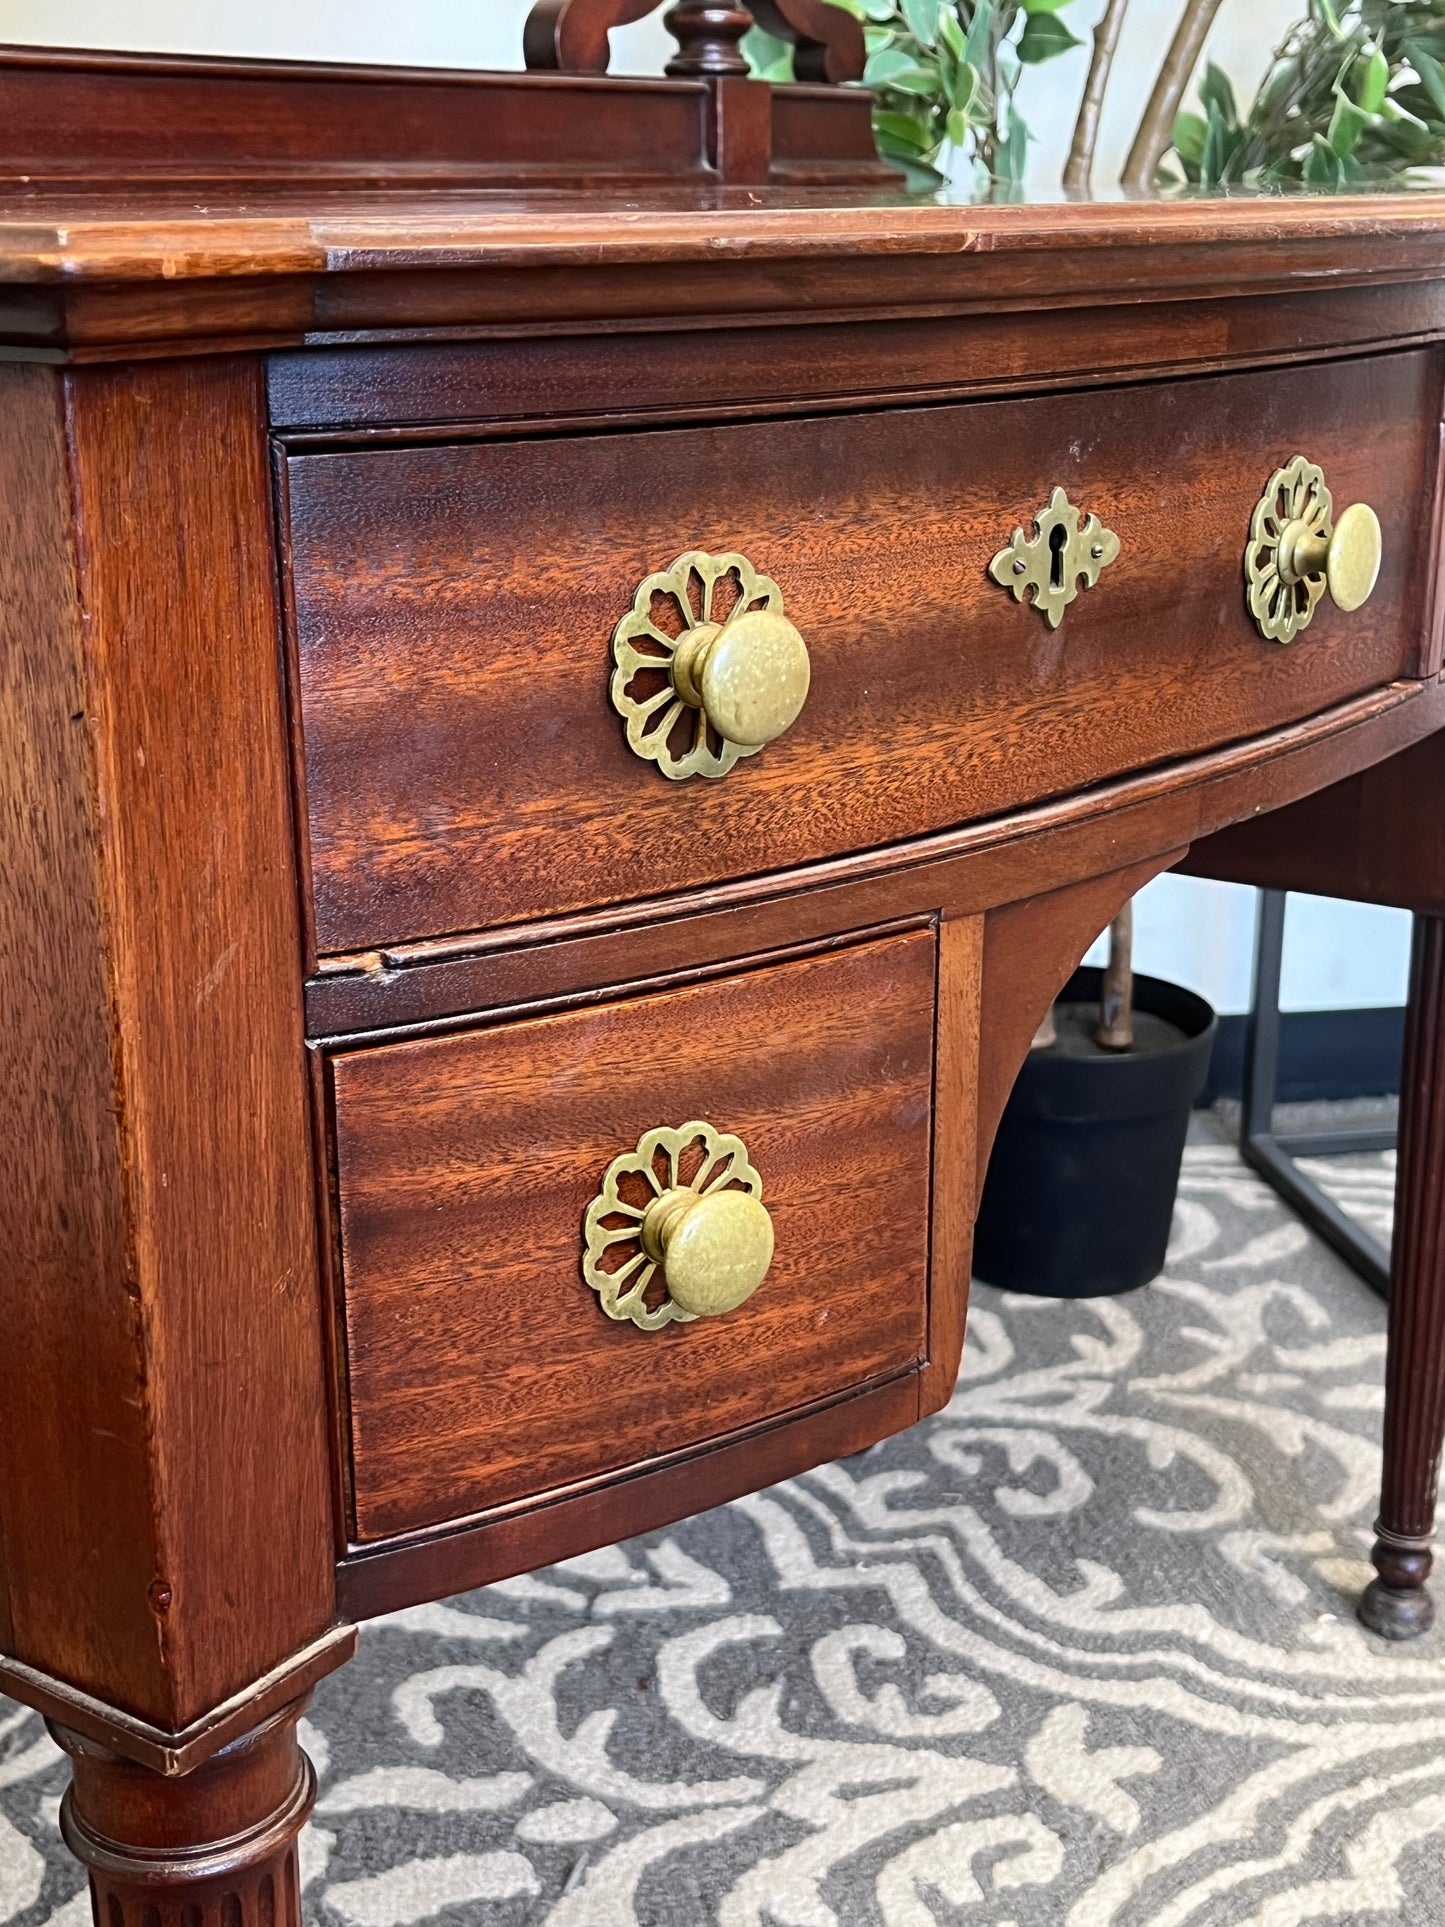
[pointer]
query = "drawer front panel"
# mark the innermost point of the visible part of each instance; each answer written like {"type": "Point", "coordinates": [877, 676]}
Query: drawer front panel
{"type": "Point", "coordinates": [482, 1368]}
{"type": "Point", "coordinates": [455, 605]}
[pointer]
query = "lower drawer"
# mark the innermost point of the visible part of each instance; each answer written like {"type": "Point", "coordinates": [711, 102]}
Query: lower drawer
{"type": "Point", "coordinates": [483, 1368]}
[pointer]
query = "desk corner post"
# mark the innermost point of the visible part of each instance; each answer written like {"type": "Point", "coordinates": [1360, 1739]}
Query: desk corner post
{"type": "Point", "coordinates": [1396, 1605]}
{"type": "Point", "coordinates": [218, 1844]}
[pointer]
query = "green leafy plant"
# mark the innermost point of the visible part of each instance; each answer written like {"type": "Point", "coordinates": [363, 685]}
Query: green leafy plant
{"type": "Point", "coordinates": [1352, 95]}
{"type": "Point", "coordinates": [945, 72]}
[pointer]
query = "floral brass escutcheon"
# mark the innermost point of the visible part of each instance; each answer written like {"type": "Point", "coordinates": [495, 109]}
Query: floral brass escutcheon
{"type": "Point", "coordinates": [640, 646]}
{"type": "Point", "coordinates": [1062, 552]}
{"type": "Point", "coordinates": [615, 1263]}
{"type": "Point", "coordinates": [1297, 493]}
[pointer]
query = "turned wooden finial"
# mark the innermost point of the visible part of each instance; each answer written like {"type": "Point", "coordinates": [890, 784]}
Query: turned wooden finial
{"type": "Point", "coordinates": [707, 38]}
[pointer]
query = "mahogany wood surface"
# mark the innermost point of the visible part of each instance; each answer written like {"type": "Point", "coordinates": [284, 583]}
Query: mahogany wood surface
{"type": "Point", "coordinates": [566, 381]}
{"type": "Point", "coordinates": [295, 1328]}
{"type": "Point", "coordinates": [185, 707]}
{"type": "Point", "coordinates": [162, 1195]}
{"type": "Point", "coordinates": [464, 1168]}
{"type": "Point", "coordinates": [92, 275]}
{"type": "Point", "coordinates": [1376, 837]}
{"type": "Point", "coordinates": [1396, 1604]}
{"type": "Point", "coordinates": [957, 1050]}
{"type": "Point", "coordinates": [218, 1846]}
{"type": "Point", "coordinates": [474, 589]}
{"type": "Point", "coordinates": [956, 873]}
{"type": "Point", "coordinates": [84, 1537]}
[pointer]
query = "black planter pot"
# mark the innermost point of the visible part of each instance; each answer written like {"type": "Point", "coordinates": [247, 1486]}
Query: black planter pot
{"type": "Point", "coordinates": [1080, 1187]}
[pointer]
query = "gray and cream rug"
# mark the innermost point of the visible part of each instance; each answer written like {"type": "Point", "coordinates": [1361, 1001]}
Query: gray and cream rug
{"type": "Point", "coordinates": [1077, 1651]}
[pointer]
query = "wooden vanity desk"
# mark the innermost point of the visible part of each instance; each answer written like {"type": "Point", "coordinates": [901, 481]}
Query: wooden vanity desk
{"type": "Point", "coordinates": [576, 672]}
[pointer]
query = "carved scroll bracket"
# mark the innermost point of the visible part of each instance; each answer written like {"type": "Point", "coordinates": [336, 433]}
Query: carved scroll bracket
{"type": "Point", "coordinates": [570, 36]}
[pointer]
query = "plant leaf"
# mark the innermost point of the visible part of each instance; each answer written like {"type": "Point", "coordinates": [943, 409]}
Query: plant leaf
{"type": "Point", "coordinates": [907, 133]}
{"type": "Point", "coordinates": [922, 19]}
{"type": "Point", "coordinates": [1044, 36]}
{"type": "Point", "coordinates": [1215, 91]}
{"type": "Point", "coordinates": [1189, 132]}
{"type": "Point", "coordinates": [1322, 166]}
{"type": "Point", "coordinates": [1372, 80]}
{"type": "Point", "coordinates": [1432, 74]}
{"type": "Point", "coordinates": [1012, 151]}
{"type": "Point", "coordinates": [950, 33]}
{"type": "Point", "coordinates": [881, 67]}
{"type": "Point", "coordinates": [1347, 123]}
{"type": "Point", "coordinates": [980, 33]}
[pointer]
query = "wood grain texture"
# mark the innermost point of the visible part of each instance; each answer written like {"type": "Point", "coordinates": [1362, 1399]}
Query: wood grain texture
{"type": "Point", "coordinates": [465, 1165]}
{"type": "Point", "coordinates": [1030, 950]}
{"type": "Point", "coordinates": [955, 1155]}
{"type": "Point", "coordinates": [204, 945]}
{"type": "Point", "coordinates": [977, 867]}
{"type": "Point", "coordinates": [90, 121]}
{"type": "Point", "coordinates": [77, 1496]}
{"type": "Point", "coordinates": [427, 390]}
{"type": "Point", "coordinates": [474, 590]}
{"type": "Point", "coordinates": [401, 1572]}
{"type": "Point", "coordinates": [1378, 836]}
{"type": "Point", "coordinates": [113, 272]}
{"type": "Point", "coordinates": [1396, 1604]}
{"type": "Point", "coordinates": [217, 1846]}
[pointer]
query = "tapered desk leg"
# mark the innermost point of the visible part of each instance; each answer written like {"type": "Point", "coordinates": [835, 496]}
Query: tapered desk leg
{"type": "Point", "coordinates": [212, 1848]}
{"type": "Point", "coordinates": [1397, 1605]}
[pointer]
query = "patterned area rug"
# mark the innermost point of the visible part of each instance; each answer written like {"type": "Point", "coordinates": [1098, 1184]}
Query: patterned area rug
{"type": "Point", "coordinates": [1078, 1652]}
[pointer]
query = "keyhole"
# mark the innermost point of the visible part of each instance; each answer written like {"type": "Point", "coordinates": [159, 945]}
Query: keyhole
{"type": "Point", "coordinates": [1058, 542]}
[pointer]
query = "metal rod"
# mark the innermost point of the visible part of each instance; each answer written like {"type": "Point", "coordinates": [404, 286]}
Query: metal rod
{"type": "Point", "coordinates": [1266, 1153]}
{"type": "Point", "coordinates": [1334, 1144]}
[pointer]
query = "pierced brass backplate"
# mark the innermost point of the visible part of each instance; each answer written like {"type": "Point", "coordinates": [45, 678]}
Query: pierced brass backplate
{"type": "Point", "coordinates": [1062, 553]}
{"type": "Point", "coordinates": [708, 667]}
{"type": "Point", "coordinates": [1280, 600]}
{"type": "Point", "coordinates": [705, 1237]}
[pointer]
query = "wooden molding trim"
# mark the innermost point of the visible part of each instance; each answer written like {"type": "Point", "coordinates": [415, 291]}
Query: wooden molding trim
{"type": "Point", "coordinates": [171, 1754]}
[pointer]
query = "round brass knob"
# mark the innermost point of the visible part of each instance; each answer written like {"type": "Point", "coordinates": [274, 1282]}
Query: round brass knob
{"type": "Point", "coordinates": [714, 1250]}
{"type": "Point", "coordinates": [1297, 549]}
{"type": "Point", "coordinates": [678, 1230]}
{"type": "Point", "coordinates": [1348, 557]}
{"type": "Point", "coordinates": [707, 667]}
{"type": "Point", "coordinates": [749, 676]}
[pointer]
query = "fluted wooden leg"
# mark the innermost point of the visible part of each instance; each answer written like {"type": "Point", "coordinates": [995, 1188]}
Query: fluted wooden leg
{"type": "Point", "coordinates": [212, 1848]}
{"type": "Point", "coordinates": [1396, 1604]}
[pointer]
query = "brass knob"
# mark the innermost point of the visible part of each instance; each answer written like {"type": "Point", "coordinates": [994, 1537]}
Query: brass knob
{"type": "Point", "coordinates": [1297, 549]}
{"type": "Point", "coordinates": [714, 1251]}
{"type": "Point", "coordinates": [1348, 557]}
{"type": "Point", "coordinates": [748, 676]}
{"type": "Point", "coordinates": [706, 675]}
{"type": "Point", "coordinates": [704, 1237]}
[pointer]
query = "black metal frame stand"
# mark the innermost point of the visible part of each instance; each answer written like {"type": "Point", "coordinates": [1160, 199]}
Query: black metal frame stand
{"type": "Point", "coordinates": [1273, 1153]}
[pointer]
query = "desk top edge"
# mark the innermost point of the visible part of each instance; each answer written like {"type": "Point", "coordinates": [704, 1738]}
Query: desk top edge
{"type": "Point", "coordinates": [179, 235]}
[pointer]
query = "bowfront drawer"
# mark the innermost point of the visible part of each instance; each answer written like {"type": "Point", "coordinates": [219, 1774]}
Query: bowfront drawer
{"type": "Point", "coordinates": [520, 662]}
{"type": "Point", "coordinates": [574, 1245]}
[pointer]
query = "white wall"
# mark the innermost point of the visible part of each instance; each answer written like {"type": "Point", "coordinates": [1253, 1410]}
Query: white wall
{"type": "Point", "coordinates": [429, 33]}
{"type": "Point", "coordinates": [1200, 934]}
{"type": "Point", "coordinates": [1337, 956]}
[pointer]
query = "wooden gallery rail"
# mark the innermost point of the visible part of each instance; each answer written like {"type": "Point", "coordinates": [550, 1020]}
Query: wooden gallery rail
{"type": "Point", "coordinates": [576, 671]}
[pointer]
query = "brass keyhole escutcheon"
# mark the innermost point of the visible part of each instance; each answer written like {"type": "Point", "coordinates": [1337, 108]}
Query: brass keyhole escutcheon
{"type": "Point", "coordinates": [1297, 550]}
{"type": "Point", "coordinates": [705, 1238]}
{"type": "Point", "coordinates": [715, 684]}
{"type": "Point", "coordinates": [1067, 550]}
